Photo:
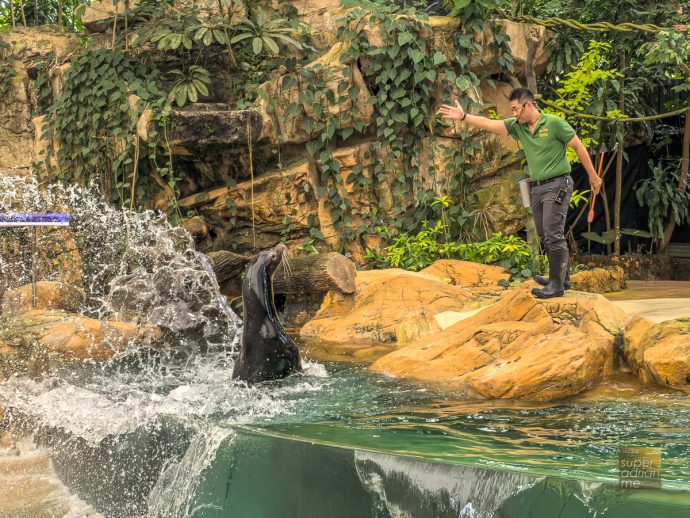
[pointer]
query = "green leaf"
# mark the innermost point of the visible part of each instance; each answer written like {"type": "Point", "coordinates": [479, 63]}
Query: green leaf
{"type": "Point", "coordinates": [271, 44]}
{"type": "Point", "coordinates": [404, 38]}
{"type": "Point", "coordinates": [439, 58]}
{"type": "Point", "coordinates": [257, 45]}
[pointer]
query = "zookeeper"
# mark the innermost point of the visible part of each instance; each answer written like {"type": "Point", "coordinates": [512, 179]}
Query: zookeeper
{"type": "Point", "coordinates": [544, 138]}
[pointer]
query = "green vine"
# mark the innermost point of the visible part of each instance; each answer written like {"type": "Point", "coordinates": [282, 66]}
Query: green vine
{"type": "Point", "coordinates": [405, 73]}
{"type": "Point", "coordinates": [94, 122]}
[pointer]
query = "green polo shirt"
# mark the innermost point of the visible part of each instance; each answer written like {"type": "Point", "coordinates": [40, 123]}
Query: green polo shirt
{"type": "Point", "coordinates": [545, 148]}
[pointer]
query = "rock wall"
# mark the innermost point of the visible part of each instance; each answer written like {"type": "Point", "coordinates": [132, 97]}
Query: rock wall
{"type": "Point", "coordinates": [285, 201]}
{"type": "Point", "coordinates": [25, 48]}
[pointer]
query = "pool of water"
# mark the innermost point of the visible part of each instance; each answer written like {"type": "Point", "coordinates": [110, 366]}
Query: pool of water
{"type": "Point", "coordinates": [176, 437]}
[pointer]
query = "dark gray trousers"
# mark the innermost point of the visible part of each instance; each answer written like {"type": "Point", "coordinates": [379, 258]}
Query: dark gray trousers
{"type": "Point", "coordinates": [549, 215]}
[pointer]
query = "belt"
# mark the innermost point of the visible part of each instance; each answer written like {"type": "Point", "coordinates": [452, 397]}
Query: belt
{"type": "Point", "coordinates": [542, 182]}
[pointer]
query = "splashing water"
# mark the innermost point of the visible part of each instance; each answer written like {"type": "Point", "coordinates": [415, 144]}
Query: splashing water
{"type": "Point", "coordinates": [136, 266]}
{"type": "Point", "coordinates": [174, 492]}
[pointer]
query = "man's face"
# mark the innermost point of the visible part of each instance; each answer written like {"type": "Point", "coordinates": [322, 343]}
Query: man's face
{"type": "Point", "coordinates": [521, 110]}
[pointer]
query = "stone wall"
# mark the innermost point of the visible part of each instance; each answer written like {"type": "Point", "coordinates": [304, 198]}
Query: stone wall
{"type": "Point", "coordinates": [27, 47]}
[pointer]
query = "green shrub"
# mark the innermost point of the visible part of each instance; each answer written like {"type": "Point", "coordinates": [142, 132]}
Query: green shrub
{"type": "Point", "coordinates": [416, 252]}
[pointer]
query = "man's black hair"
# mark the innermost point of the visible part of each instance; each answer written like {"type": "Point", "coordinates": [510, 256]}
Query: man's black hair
{"type": "Point", "coordinates": [522, 95]}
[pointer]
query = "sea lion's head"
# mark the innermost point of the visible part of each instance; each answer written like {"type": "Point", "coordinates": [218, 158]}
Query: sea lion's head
{"type": "Point", "coordinates": [258, 277]}
{"type": "Point", "coordinates": [272, 258]}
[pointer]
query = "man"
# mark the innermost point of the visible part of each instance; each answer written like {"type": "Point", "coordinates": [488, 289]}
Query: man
{"type": "Point", "coordinates": [544, 138]}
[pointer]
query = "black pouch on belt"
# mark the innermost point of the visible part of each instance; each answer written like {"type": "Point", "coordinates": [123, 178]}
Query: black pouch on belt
{"type": "Point", "coordinates": [560, 196]}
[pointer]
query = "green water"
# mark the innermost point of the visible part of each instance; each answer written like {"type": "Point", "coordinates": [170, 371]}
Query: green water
{"type": "Point", "coordinates": [340, 441]}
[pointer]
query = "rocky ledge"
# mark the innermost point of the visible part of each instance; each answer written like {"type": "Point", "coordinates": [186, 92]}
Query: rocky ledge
{"type": "Point", "coordinates": [455, 328]}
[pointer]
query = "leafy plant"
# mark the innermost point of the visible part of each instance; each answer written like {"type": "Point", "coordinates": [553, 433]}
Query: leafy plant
{"type": "Point", "coordinates": [416, 252]}
{"type": "Point", "coordinates": [188, 86]}
{"type": "Point", "coordinates": [95, 124]}
{"type": "Point", "coordinates": [578, 197]}
{"type": "Point", "coordinates": [265, 33]}
{"type": "Point", "coordinates": [660, 194]}
{"type": "Point", "coordinates": [410, 252]}
{"type": "Point", "coordinates": [576, 93]}
{"type": "Point", "coordinates": [509, 252]}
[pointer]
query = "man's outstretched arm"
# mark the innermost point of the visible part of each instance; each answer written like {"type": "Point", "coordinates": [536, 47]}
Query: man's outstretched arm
{"type": "Point", "coordinates": [456, 112]}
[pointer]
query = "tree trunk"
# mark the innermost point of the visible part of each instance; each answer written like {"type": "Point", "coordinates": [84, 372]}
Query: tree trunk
{"type": "Point", "coordinates": [619, 167]}
{"type": "Point", "coordinates": [59, 14]}
{"type": "Point", "coordinates": [532, 44]}
{"type": "Point", "coordinates": [304, 275]}
{"type": "Point", "coordinates": [671, 225]}
{"type": "Point", "coordinates": [21, 10]}
{"type": "Point", "coordinates": [14, 23]}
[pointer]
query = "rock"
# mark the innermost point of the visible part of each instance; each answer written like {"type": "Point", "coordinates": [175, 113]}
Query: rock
{"type": "Point", "coordinates": [276, 95]}
{"type": "Point", "coordinates": [321, 15]}
{"type": "Point", "coordinates": [599, 280]}
{"type": "Point", "coordinates": [519, 34]}
{"type": "Point", "coordinates": [37, 341]}
{"type": "Point", "coordinates": [518, 348]}
{"type": "Point", "coordinates": [390, 306]}
{"type": "Point", "coordinates": [49, 295]}
{"type": "Point", "coordinates": [192, 127]}
{"type": "Point", "coordinates": [468, 274]}
{"type": "Point", "coordinates": [27, 47]}
{"type": "Point", "coordinates": [286, 204]}
{"type": "Point", "coordinates": [660, 354]}
{"type": "Point", "coordinates": [57, 255]}
{"type": "Point", "coordinates": [98, 16]}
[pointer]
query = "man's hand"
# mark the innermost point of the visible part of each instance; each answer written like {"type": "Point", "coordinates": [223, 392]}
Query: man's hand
{"type": "Point", "coordinates": [595, 184]}
{"type": "Point", "coordinates": [451, 112]}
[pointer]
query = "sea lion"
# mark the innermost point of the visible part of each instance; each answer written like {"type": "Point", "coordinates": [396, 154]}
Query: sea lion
{"type": "Point", "coordinates": [266, 351]}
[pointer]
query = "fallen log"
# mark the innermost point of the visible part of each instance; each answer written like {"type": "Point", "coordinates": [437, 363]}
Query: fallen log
{"type": "Point", "coordinates": [304, 275]}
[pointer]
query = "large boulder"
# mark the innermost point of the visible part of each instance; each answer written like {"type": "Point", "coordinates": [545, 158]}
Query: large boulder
{"type": "Point", "coordinates": [473, 276]}
{"type": "Point", "coordinates": [599, 280]}
{"type": "Point", "coordinates": [660, 354]}
{"type": "Point", "coordinates": [518, 348]}
{"type": "Point", "coordinates": [37, 341]}
{"type": "Point", "coordinates": [389, 306]}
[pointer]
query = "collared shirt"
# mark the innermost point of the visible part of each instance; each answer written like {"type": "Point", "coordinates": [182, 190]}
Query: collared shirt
{"type": "Point", "coordinates": [545, 148]}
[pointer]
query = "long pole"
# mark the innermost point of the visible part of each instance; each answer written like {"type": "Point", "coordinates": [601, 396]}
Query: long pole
{"type": "Point", "coordinates": [33, 270]}
{"type": "Point", "coordinates": [619, 166]}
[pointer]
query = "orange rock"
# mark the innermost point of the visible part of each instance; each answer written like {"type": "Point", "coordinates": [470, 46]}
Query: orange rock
{"type": "Point", "coordinates": [49, 295]}
{"type": "Point", "coordinates": [662, 354]}
{"type": "Point", "coordinates": [518, 348]}
{"type": "Point", "coordinates": [388, 306]}
{"type": "Point", "coordinates": [599, 280]}
{"type": "Point", "coordinates": [468, 274]}
{"type": "Point", "coordinates": [36, 341]}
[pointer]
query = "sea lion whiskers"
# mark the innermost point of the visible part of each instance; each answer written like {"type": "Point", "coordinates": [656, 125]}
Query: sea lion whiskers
{"type": "Point", "coordinates": [287, 269]}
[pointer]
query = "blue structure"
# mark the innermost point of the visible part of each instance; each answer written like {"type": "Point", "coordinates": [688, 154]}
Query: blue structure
{"type": "Point", "coordinates": [34, 219]}
{"type": "Point", "coordinates": [12, 219]}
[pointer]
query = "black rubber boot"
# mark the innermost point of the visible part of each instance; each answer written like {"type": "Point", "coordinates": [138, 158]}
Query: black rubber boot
{"type": "Point", "coordinates": [558, 265]}
{"type": "Point", "coordinates": [544, 281]}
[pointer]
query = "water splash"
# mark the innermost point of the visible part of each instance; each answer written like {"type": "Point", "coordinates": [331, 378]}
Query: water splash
{"type": "Point", "coordinates": [175, 490]}
{"type": "Point", "coordinates": [135, 265]}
